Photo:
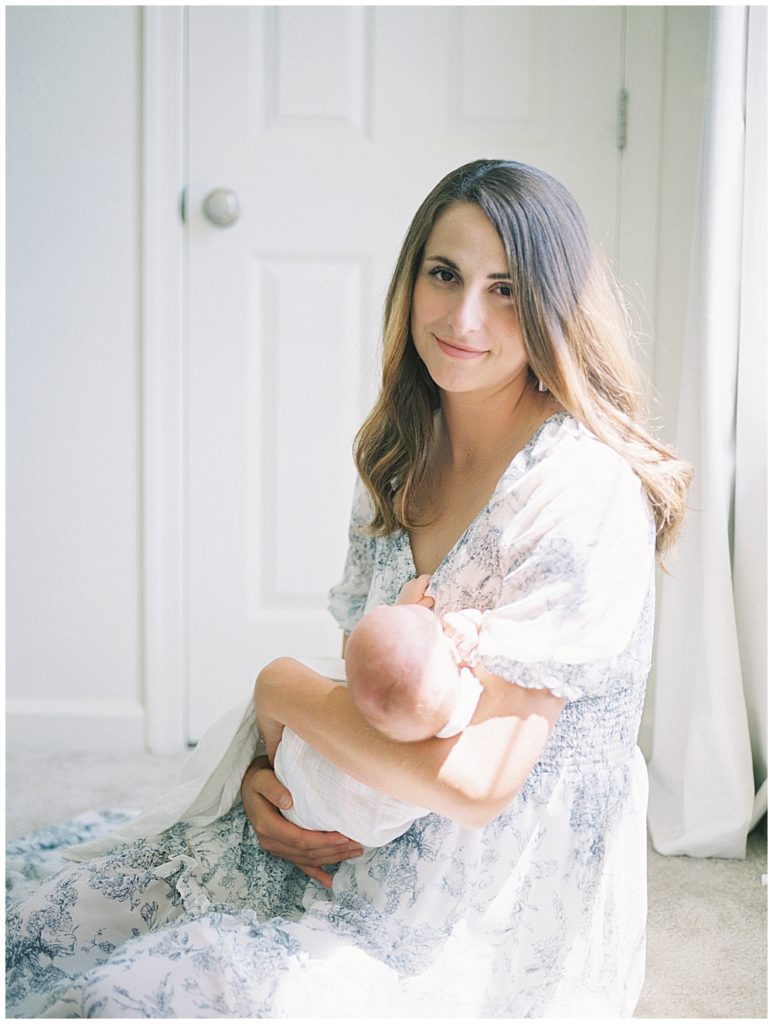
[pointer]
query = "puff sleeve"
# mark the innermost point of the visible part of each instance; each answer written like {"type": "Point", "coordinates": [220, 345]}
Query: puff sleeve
{"type": "Point", "coordinates": [347, 599]}
{"type": "Point", "coordinates": [576, 557]}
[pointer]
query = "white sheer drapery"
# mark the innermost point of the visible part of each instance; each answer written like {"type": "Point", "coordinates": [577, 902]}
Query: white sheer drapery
{"type": "Point", "coordinates": [708, 762]}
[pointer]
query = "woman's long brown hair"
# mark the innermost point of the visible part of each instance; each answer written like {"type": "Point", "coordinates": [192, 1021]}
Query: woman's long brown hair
{"type": "Point", "coordinates": [576, 333]}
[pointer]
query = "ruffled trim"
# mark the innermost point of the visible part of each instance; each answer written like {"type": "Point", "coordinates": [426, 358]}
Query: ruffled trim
{"type": "Point", "coordinates": [189, 884]}
{"type": "Point", "coordinates": [559, 679]}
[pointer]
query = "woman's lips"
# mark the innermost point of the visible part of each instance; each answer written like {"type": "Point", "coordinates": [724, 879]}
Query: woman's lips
{"type": "Point", "coordinates": [458, 351]}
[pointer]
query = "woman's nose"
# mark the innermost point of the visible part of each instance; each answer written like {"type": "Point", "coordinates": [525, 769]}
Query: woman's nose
{"type": "Point", "coordinates": [466, 314]}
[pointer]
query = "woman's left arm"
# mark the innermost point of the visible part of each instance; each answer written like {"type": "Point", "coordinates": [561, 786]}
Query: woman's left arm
{"type": "Point", "coordinates": [469, 778]}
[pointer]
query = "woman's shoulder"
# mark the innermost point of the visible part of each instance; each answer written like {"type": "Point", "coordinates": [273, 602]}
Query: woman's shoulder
{"type": "Point", "coordinates": [562, 446]}
{"type": "Point", "coordinates": [568, 468]}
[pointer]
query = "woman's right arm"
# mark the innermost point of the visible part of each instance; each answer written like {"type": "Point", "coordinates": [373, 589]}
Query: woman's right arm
{"type": "Point", "coordinates": [262, 795]}
{"type": "Point", "coordinates": [469, 778]}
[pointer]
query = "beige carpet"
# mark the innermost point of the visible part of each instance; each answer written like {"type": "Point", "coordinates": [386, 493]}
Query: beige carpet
{"type": "Point", "coordinates": [707, 929]}
{"type": "Point", "coordinates": [707, 935]}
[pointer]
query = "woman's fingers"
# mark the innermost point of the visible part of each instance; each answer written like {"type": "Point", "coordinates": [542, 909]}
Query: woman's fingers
{"type": "Point", "coordinates": [303, 846]}
{"type": "Point", "coordinates": [319, 875]}
{"type": "Point", "coordinates": [289, 836]}
{"type": "Point", "coordinates": [308, 850]}
{"type": "Point", "coordinates": [311, 859]}
{"type": "Point", "coordinates": [310, 855]}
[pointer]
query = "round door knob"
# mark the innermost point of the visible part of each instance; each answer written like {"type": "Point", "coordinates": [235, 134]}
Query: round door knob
{"type": "Point", "coordinates": [221, 207]}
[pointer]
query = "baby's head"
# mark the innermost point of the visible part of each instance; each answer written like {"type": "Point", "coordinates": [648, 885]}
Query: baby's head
{"type": "Point", "coordinates": [402, 672]}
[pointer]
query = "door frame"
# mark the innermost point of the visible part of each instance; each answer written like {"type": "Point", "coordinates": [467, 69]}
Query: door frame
{"type": "Point", "coordinates": [164, 375]}
{"type": "Point", "coordinates": [164, 320]}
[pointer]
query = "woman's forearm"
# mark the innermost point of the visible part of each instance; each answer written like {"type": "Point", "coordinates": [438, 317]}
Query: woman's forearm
{"type": "Point", "coordinates": [470, 778]}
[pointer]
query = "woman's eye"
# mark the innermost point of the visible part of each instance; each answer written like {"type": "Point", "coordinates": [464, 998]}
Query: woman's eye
{"type": "Point", "coordinates": [442, 274]}
{"type": "Point", "coordinates": [506, 290]}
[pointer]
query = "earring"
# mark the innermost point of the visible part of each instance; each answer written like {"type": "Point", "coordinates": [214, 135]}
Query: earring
{"type": "Point", "coordinates": [541, 385]}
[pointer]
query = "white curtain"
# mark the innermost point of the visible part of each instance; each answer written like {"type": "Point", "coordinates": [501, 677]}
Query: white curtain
{"type": "Point", "coordinates": [708, 763]}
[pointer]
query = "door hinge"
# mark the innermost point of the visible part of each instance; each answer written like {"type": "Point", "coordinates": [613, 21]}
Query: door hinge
{"type": "Point", "coordinates": [622, 119]}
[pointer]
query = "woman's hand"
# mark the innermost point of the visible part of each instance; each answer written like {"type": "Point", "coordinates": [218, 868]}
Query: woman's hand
{"type": "Point", "coordinates": [414, 592]}
{"type": "Point", "coordinates": [262, 794]}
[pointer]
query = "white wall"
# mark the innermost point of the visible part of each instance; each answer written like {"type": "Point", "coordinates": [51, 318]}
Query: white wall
{"type": "Point", "coordinates": [73, 441]}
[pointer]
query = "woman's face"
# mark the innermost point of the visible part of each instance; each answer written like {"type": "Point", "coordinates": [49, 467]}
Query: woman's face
{"type": "Point", "coordinates": [463, 321]}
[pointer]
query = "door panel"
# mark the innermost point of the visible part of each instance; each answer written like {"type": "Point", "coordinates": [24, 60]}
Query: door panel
{"type": "Point", "coordinates": [331, 124]}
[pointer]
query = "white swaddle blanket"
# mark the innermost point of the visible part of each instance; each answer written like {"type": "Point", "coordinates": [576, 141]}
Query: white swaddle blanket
{"type": "Point", "coordinates": [324, 797]}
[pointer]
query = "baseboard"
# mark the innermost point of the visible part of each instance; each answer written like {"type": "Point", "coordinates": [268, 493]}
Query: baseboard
{"type": "Point", "coordinates": [75, 725]}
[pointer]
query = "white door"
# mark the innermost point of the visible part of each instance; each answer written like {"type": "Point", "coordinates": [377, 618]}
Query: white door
{"type": "Point", "coordinates": [330, 124]}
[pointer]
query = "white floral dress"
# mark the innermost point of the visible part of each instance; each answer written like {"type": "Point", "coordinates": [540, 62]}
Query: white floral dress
{"type": "Point", "coordinates": [541, 913]}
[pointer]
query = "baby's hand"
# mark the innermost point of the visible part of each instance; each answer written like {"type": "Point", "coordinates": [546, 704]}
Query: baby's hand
{"type": "Point", "coordinates": [463, 628]}
{"type": "Point", "coordinates": [414, 592]}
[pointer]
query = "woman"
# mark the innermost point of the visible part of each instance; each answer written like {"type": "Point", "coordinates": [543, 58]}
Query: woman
{"type": "Point", "coordinates": [506, 456]}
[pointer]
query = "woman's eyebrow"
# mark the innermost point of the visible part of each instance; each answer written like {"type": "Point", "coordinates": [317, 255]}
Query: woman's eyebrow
{"type": "Point", "coordinates": [455, 267]}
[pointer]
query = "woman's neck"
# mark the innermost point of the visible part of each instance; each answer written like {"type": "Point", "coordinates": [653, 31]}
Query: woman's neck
{"type": "Point", "coordinates": [476, 428]}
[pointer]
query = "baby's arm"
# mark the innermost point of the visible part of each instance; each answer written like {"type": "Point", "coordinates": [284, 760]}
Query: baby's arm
{"type": "Point", "coordinates": [414, 592]}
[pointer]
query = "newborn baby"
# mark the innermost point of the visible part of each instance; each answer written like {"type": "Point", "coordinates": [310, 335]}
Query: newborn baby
{"type": "Point", "coordinates": [408, 675]}
{"type": "Point", "coordinates": [407, 669]}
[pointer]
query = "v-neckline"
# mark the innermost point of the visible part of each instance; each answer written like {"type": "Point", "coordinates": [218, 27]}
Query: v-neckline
{"type": "Point", "coordinates": [561, 415]}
